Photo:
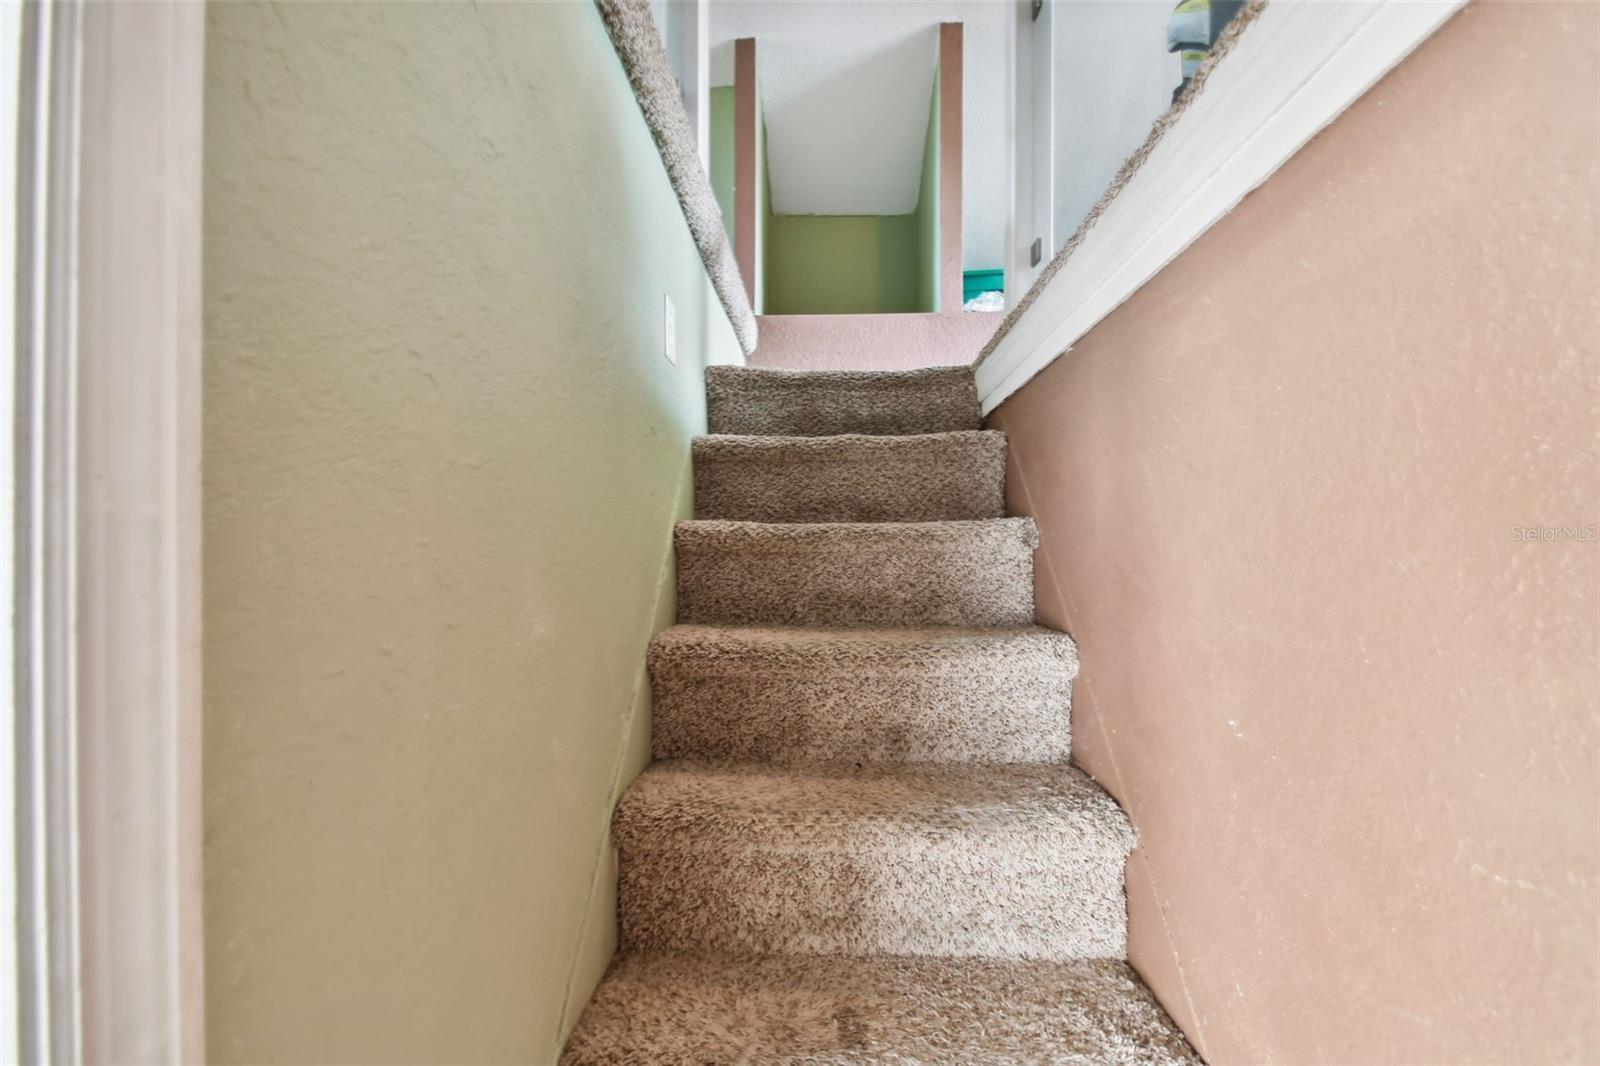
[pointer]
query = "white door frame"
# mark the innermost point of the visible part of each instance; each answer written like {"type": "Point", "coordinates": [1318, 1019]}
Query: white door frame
{"type": "Point", "coordinates": [1042, 89]}
{"type": "Point", "coordinates": [685, 30]}
{"type": "Point", "coordinates": [694, 46]}
{"type": "Point", "coordinates": [1030, 127]}
{"type": "Point", "coordinates": [107, 522]}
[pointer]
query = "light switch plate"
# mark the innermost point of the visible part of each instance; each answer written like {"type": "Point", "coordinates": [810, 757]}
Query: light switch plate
{"type": "Point", "coordinates": [669, 333]}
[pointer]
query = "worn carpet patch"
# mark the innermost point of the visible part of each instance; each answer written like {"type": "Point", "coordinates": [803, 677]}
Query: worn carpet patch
{"type": "Point", "coordinates": [997, 861]}
{"type": "Point", "coordinates": [795, 696]}
{"type": "Point", "coordinates": [681, 1009]}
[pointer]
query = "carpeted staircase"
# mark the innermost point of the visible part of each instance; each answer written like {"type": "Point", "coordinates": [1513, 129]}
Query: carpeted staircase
{"type": "Point", "coordinates": [862, 841]}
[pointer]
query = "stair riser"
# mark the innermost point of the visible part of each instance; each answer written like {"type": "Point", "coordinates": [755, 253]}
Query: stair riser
{"type": "Point", "coordinates": [873, 580]}
{"type": "Point", "coordinates": [868, 717]}
{"type": "Point", "coordinates": [863, 481]}
{"type": "Point", "coordinates": [964, 901]}
{"type": "Point", "coordinates": [779, 404]}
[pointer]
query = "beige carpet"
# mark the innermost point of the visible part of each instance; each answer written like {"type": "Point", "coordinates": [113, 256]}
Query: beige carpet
{"type": "Point", "coordinates": [672, 1008]}
{"type": "Point", "coordinates": [851, 478]}
{"type": "Point", "coordinates": [825, 403]}
{"type": "Point", "coordinates": [863, 842]}
{"type": "Point", "coordinates": [857, 573]}
{"type": "Point", "coordinates": [795, 696]}
{"type": "Point", "coordinates": [997, 861]}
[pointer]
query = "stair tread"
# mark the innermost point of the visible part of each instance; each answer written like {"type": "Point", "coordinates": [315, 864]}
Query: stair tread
{"type": "Point", "coordinates": [698, 805]}
{"type": "Point", "coordinates": [823, 402]}
{"type": "Point", "coordinates": [850, 378]}
{"type": "Point", "coordinates": [794, 696]}
{"type": "Point", "coordinates": [675, 1008]}
{"type": "Point", "coordinates": [851, 477]}
{"type": "Point", "coordinates": [735, 533]}
{"type": "Point", "coordinates": [710, 650]}
{"type": "Point", "coordinates": [999, 861]}
{"type": "Point", "coordinates": [719, 445]}
{"type": "Point", "coordinates": [870, 574]}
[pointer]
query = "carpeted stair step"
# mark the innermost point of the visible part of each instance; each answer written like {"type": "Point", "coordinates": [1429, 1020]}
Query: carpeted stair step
{"type": "Point", "coordinates": [853, 478]}
{"type": "Point", "coordinates": [786, 696]}
{"type": "Point", "coordinates": [998, 861]}
{"type": "Point", "coordinates": [857, 574]}
{"type": "Point", "coordinates": [824, 403]}
{"type": "Point", "coordinates": [674, 1010]}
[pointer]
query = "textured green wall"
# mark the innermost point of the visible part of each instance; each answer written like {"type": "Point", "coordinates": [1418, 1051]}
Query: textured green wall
{"type": "Point", "coordinates": [841, 264]}
{"type": "Point", "coordinates": [927, 214]}
{"type": "Point", "coordinates": [722, 153]}
{"type": "Point", "coordinates": [855, 264]}
{"type": "Point", "coordinates": [443, 461]}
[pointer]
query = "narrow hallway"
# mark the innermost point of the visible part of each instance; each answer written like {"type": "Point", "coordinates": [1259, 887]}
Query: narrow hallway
{"type": "Point", "coordinates": [863, 836]}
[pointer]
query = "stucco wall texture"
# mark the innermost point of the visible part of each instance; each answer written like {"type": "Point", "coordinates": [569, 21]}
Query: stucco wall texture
{"type": "Point", "coordinates": [1351, 711]}
{"type": "Point", "coordinates": [443, 454]}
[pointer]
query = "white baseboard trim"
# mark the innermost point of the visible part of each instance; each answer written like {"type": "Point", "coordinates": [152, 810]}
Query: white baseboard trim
{"type": "Point", "coordinates": [1292, 73]}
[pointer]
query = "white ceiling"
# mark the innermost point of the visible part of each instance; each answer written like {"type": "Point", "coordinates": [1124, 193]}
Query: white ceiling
{"type": "Point", "coordinates": [846, 85]}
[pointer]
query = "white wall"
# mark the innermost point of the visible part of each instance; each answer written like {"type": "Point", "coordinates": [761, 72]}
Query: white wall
{"type": "Point", "coordinates": [846, 86]}
{"type": "Point", "coordinates": [1113, 79]}
{"type": "Point", "coordinates": [443, 457]}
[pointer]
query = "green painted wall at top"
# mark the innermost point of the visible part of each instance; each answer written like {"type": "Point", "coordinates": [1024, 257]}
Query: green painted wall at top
{"type": "Point", "coordinates": [860, 264]}
{"type": "Point", "coordinates": [722, 153]}
{"type": "Point", "coordinates": [841, 264]}
{"type": "Point", "coordinates": [833, 264]}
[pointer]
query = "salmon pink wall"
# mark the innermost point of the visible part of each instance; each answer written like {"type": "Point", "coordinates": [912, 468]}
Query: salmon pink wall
{"type": "Point", "coordinates": [1286, 494]}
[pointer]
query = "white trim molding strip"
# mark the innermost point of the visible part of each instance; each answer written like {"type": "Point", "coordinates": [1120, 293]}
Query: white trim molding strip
{"type": "Point", "coordinates": [1292, 72]}
{"type": "Point", "coordinates": [107, 609]}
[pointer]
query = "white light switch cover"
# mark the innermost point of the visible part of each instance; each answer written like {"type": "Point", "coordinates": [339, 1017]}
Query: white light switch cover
{"type": "Point", "coordinates": [669, 335]}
